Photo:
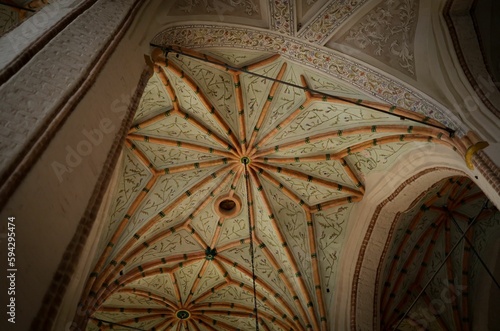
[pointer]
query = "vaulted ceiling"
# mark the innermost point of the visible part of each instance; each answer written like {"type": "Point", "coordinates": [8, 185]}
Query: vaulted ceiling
{"type": "Point", "coordinates": [232, 186]}
{"type": "Point", "coordinates": [214, 152]}
{"type": "Point", "coordinates": [423, 238]}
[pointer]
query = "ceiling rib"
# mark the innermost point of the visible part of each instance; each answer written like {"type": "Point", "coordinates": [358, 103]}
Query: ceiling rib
{"type": "Point", "coordinates": [450, 251]}
{"type": "Point", "coordinates": [406, 130]}
{"type": "Point", "coordinates": [179, 144]}
{"type": "Point", "coordinates": [277, 184]}
{"type": "Point", "coordinates": [149, 269]}
{"type": "Point", "coordinates": [392, 110]}
{"type": "Point", "coordinates": [315, 270]}
{"type": "Point", "coordinates": [299, 175]}
{"type": "Point", "coordinates": [266, 107]}
{"type": "Point", "coordinates": [289, 254]}
{"type": "Point", "coordinates": [108, 324]}
{"type": "Point", "coordinates": [151, 296]}
{"type": "Point", "coordinates": [241, 114]}
{"type": "Point", "coordinates": [282, 276]}
{"type": "Point", "coordinates": [230, 282]}
{"type": "Point", "coordinates": [154, 220]}
{"type": "Point", "coordinates": [197, 280]}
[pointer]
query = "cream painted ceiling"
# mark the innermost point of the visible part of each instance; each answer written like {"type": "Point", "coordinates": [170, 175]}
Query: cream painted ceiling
{"type": "Point", "coordinates": [170, 258]}
{"type": "Point", "coordinates": [169, 251]}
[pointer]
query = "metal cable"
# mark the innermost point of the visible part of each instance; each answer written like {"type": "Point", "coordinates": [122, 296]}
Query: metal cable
{"type": "Point", "coordinates": [440, 266]}
{"type": "Point", "coordinates": [252, 255]}
{"type": "Point", "coordinates": [473, 248]}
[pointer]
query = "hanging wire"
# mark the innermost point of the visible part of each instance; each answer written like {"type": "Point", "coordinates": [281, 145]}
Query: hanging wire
{"type": "Point", "coordinates": [167, 50]}
{"type": "Point", "coordinates": [441, 265]}
{"type": "Point", "coordinates": [118, 324]}
{"type": "Point", "coordinates": [250, 231]}
{"type": "Point", "coordinates": [473, 248]}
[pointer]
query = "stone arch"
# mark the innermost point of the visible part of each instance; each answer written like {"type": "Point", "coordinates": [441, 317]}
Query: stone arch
{"type": "Point", "coordinates": [377, 216]}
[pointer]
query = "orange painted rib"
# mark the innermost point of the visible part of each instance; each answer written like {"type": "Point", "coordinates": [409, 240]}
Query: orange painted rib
{"type": "Point", "coordinates": [179, 144]}
{"type": "Point", "coordinates": [207, 293]}
{"type": "Point", "coordinates": [213, 62]}
{"type": "Point", "coordinates": [266, 106]}
{"type": "Point", "coordinates": [367, 129]}
{"type": "Point", "coordinates": [140, 155]}
{"type": "Point", "coordinates": [224, 144]}
{"type": "Point", "coordinates": [135, 274]}
{"type": "Point", "coordinates": [315, 271]}
{"type": "Point", "coordinates": [260, 296]}
{"type": "Point", "coordinates": [270, 257]}
{"type": "Point", "coordinates": [289, 255]}
{"type": "Point", "coordinates": [91, 282]}
{"type": "Point", "coordinates": [302, 176]}
{"type": "Point", "coordinates": [193, 324]}
{"type": "Point", "coordinates": [352, 176]}
{"type": "Point", "coordinates": [163, 234]}
{"type": "Point", "coordinates": [197, 280]}
{"type": "Point", "coordinates": [241, 113]}
{"type": "Point", "coordinates": [207, 322]}
{"type": "Point", "coordinates": [290, 194]}
{"type": "Point", "coordinates": [153, 297]}
{"type": "Point", "coordinates": [284, 123]}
